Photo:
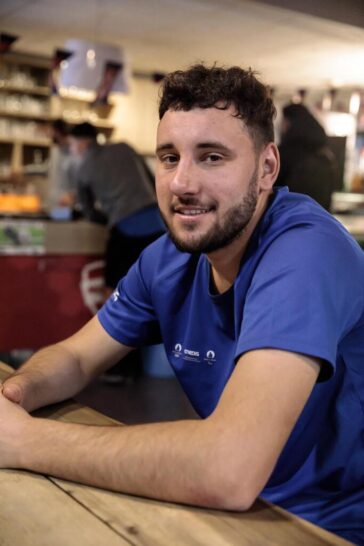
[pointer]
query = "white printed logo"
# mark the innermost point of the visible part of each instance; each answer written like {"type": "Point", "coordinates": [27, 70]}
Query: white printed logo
{"type": "Point", "coordinates": [177, 351]}
{"type": "Point", "coordinates": [210, 357]}
{"type": "Point", "coordinates": [115, 295]}
{"type": "Point", "coordinates": [194, 356]}
{"type": "Point", "coordinates": [92, 285]}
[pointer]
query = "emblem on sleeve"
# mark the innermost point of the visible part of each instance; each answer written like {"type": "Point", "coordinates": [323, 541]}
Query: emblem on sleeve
{"type": "Point", "coordinates": [115, 295]}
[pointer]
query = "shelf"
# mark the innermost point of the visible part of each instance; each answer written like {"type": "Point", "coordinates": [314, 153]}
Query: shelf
{"type": "Point", "coordinates": [42, 91]}
{"type": "Point", "coordinates": [27, 78]}
{"type": "Point", "coordinates": [28, 141]}
{"type": "Point", "coordinates": [33, 61]}
{"type": "Point", "coordinates": [25, 115]}
{"type": "Point", "coordinates": [100, 124]}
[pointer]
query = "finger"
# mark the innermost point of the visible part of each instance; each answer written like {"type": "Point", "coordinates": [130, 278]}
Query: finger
{"type": "Point", "coordinates": [12, 392]}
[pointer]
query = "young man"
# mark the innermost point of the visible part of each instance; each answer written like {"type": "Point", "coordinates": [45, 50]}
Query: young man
{"type": "Point", "coordinates": [259, 301]}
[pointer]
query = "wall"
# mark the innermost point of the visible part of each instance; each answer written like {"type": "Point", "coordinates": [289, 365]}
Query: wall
{"type": "Point", "coordinates": [135, 115]}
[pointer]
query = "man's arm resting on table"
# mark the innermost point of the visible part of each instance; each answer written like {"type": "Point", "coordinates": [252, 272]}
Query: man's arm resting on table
{"type": "Point", "coordinates": [222, 462]}
{"type": "Point", "coordinates": [62, 370]}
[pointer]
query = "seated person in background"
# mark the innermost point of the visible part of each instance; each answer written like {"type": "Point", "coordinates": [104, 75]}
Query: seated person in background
{"type": "Point", "coordinates": [307, 164]}
{"type": "Point", "coordinates": [267, 341]}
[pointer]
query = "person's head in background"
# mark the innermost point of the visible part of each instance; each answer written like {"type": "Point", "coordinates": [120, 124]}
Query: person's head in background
{"type": "Point", "coordinates": [82, 137]}
{"type": "Point", "coordinates": [59, 132]}
{"type": "Point", "coordinates": [298, 124]}
{"type": "Point", "coordinates": [217, 87]}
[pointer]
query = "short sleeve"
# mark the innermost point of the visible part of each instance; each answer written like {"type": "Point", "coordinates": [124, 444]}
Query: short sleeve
{"type": "Point", "coordinates": [128, 315]}
{"type": "Point", "coordinates": [300, 298]}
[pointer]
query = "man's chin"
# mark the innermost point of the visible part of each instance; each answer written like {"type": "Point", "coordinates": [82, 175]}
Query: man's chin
{"type": "Point", "coordinates": [186, 245]}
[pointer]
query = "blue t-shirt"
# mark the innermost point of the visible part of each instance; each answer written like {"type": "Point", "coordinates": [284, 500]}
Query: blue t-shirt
{"type": "Point", "coordinates": [300, 288]}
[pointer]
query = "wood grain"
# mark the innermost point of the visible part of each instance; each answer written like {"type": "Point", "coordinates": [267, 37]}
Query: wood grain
{"type": "Point", "coordinates": [34, 512]}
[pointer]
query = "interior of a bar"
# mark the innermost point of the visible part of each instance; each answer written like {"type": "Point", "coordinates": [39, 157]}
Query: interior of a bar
{"type": "Point", "coordinates": [181, 272]}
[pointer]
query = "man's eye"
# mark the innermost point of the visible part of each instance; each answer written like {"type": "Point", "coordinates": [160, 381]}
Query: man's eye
{"type": "Point", "coordinates": [213, 158]}
{"type": "Point", "coordinates": [169, 159]}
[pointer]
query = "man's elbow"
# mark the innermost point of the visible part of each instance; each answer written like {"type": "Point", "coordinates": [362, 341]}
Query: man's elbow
{"type": "Point", "coordinates": [230, 490]}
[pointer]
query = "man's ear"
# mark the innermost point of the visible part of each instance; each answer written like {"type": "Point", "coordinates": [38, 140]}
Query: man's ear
{"type": "Point", "coordinates": [269, 166]}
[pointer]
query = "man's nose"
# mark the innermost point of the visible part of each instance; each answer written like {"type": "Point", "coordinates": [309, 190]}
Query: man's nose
{"type": "Point", "coordinates": [185, 179]}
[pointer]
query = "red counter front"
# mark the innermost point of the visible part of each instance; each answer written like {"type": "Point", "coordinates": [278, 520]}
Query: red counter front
{"type": "Point", "coordinates": [44, 299]}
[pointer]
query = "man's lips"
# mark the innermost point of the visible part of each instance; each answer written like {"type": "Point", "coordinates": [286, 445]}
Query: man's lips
{"type": "Point", "coordinates": [191, 210]}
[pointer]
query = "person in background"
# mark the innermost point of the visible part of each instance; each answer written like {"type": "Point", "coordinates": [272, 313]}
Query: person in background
{"type": "Point", "coordinates": [61, 168]}
{"type": "Point", "coordinates": [115, 186]}
{"type": "Point", "coordinates": [307, 164]}
{"type": "Point", "coordinates": [258, 297]}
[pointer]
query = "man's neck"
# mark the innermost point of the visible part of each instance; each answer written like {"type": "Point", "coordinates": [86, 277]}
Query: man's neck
{"type": "Point", "coordinates": [225, 262]}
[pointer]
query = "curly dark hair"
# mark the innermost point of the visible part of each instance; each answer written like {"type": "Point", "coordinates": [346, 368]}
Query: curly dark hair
{"type": "Point", "coordinates": [204, 87]}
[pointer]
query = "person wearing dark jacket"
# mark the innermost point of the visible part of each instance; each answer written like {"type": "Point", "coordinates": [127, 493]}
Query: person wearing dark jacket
{"type": "Point", "coordinates": [307, 164]}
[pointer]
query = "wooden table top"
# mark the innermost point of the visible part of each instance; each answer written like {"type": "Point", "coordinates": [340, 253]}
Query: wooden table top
{"type": "Point", "coordinates": [37, 510]}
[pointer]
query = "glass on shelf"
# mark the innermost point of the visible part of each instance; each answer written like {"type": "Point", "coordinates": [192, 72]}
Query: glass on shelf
{"type": "Point", "coordinates": [21, 77]}
{"type": "Point", "coordinates": [16, 103]}
{"type": "Point", "coordinates": [5, 169]}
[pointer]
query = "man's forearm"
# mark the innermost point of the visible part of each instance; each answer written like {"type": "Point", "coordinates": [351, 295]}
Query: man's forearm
{"type": "Point", "coordinates": [168, 461]}
{"type": "Point", "coordinates": [61, 370]}
{"type": "Point", "coordinates": [49, 376]}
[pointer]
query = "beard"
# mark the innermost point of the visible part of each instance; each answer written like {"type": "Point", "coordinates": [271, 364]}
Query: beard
{"type": "Point", "coordinates": [224, 232]}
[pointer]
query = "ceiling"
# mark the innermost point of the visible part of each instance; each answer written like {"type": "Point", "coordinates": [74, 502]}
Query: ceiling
{"type": "Point", "coordinates": [288, 48]}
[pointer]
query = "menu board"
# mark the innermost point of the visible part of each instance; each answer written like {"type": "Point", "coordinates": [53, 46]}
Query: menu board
{"type": "Point", "coordinates": [22, 237]}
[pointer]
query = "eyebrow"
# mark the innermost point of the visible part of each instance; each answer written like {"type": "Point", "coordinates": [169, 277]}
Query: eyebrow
{"type": "Point", "coordinates": [162, 147]}
{"type": "Point", "coordinates": [202, 146]}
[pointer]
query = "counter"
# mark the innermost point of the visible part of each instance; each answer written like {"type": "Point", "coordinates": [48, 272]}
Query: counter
{"type": "Point", "coordinates": [51, 280]}
{"type": "Point", "coordinates": [37, 236]}
{"type": "Point", "coordinates": [354, 223]}
{"type": "Point", "coordinates": [51, 277]}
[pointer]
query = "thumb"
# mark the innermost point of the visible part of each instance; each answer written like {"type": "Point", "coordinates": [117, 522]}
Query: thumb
{"type": "Point", "coordinates": [12, 392]}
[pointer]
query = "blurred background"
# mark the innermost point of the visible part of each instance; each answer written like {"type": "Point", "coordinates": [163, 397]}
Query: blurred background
{"type": "Point", "coordinates": [101, 61]}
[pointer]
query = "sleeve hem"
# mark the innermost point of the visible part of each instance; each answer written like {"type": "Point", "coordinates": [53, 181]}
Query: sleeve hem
{"type": "Point", "coordinates": [329, 361]}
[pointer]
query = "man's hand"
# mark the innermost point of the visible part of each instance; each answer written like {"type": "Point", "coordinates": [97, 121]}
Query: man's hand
{"type": "Point", "coordinates": [13, 421]}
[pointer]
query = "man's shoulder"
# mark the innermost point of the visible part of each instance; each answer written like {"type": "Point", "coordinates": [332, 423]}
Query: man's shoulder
{"type": "Point", "coordinates": [299, 227]}
{"type": "Point", "coordinates": [289, 210]}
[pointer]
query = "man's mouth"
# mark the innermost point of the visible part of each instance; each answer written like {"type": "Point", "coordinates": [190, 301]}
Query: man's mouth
{"type": "Point", "coordinates": [188, 210]}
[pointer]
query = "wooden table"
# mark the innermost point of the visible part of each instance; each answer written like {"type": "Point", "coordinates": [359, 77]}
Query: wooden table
{"type": "Point", "coordinates": [38, 510]}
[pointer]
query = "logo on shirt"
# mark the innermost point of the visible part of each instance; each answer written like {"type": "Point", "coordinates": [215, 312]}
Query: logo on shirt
{"type": "Point", "coordinates": [115, 295]}
{"type": "Point", "coordinates": [192, 355]}
{"type": "Point", "coordinates": [177, 350]}
{"type": "Point", "coordinates": [210, 357]}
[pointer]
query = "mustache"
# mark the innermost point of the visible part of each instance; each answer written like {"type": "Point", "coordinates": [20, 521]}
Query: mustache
{"type": "Point", "coordinates": [190, 201]}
